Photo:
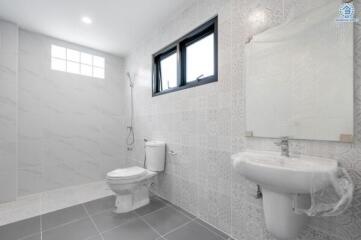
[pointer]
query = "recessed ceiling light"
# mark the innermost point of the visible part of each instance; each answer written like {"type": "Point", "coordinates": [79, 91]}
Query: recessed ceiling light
{"type": "Point", "coordinates": [86, 20]}
{"type": "Point", "coordinates": [257, 17]}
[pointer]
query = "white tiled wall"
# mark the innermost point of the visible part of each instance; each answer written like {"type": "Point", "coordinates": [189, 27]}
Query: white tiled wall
{"type": "Point", "coordinates": [8, 109]}
{"type": "Point", "coordinates": [205, 125]}
{"type": "Point", "coordinates": [71, 127]}
{"type": "Point", "coordinates": [56, 129]}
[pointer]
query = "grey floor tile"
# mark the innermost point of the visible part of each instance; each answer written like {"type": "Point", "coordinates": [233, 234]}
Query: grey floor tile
{"type": "Point", "coordinates": [212, 229]}
{"type": "Point", "coordinates": [108, 219]}
{"type": "Point", "coordinates": [98, 237]}
{"type": "Point", "coordinates": [180, 209]}
{"type": "Point", "coordinates": [100, 205]}
{"type": "Point", "coordinates": [166, 219]}
{"type": "Point", "coordinates": [80, 230]}
{"type": "Point", "coordinates": [21, 229]}
{"type": "Point", "coordinates": [133, 230]}
{"type": "Point", "coordinates": [33, 237]}
{"type": "Point", "coordinates": [191, 216]}
{"type": "Point", "coordinates": [192, 231]}
{"type": "Point", "coordinates": [53, 219]}
{"type": "Point", "coordinates": [155, 204]}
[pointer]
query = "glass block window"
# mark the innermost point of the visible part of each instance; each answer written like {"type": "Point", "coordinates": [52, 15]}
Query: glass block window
{"type": "Point", "coordinates": [73, 61]}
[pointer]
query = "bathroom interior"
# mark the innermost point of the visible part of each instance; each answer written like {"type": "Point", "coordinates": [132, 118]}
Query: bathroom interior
{"type": "Point", "coordinates": [180, 120]}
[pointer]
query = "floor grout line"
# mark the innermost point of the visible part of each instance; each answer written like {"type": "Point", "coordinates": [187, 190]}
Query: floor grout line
{"type": "Point", "coordinates": [64, 224]}
{"type": "Point", "coordinates": [162, 235]}
{"type": "Point", "coordinates": [101, 212]}
{"type": "Point", "coordinates": [197, 218]}
{"type": "Point", "coordinates": [211, 230]}
{"type": "Point", "coordinates": [143, 219]}
{"type": "Point", "coordinates": [177, 208]}
{"type": "Point", "coordinates": [93, 222]}
{"type": "Point", "coordinates": [179, 227]}
{"type": "Point", "coordinates": [31, 201]}
{"type": "Point", "coordinates": [137, 215]}
{"type": "Point", "coordinates": [161, 238]}
{"type": "Point", "coordinates": [176, 228]}
{"type": "Point", "coordinates": [67, 223]}
{"type": "Point", "coordinates": [28, 236]}
{"type": "Point", "coordinates": [190, 217]}
{"type": "Point", "coordinates": [157, 210]}
{"type": "Point", "coordinates": [181, 211]}
{"type": "Point", "coordinates": [127, 221]}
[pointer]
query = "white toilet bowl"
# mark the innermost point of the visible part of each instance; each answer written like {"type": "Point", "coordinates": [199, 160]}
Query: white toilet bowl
{"type": "Point", "coordinates": [131, 187]}
{"type": "Point", "coordinates": [131, 184]}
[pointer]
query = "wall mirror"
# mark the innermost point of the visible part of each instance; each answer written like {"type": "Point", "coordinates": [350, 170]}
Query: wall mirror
{"type": "Point", "coordinates": [299, 78]}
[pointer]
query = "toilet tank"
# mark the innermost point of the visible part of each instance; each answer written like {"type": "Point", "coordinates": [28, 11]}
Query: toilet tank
{"type": "Point", "coordinates": [155, 155]}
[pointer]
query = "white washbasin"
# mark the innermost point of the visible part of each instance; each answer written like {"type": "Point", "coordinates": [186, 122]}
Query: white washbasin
{"type": "Point", "coordinates": [285, 180]}
{"type": "Point", "coordinates": [284, 174]}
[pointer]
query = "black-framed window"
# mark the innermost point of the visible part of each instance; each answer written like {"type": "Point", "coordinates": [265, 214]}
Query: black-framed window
{"type": "Point", "coordinates": [188, 62]}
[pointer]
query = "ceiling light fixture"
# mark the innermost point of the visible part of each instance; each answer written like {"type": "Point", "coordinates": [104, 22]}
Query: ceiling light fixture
{"type": "Point", "coordinates": [87, 20]}
{"type": "Point", "coordinates": [257, 17]}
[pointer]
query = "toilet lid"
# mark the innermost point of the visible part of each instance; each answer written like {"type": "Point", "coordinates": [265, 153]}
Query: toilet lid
{"type": "Point", "coordinates": [127, 173]}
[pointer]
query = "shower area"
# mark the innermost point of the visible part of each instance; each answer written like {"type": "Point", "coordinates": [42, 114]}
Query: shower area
{"type": "Point", "coordinates": [130, 128]}
{"type": "Point", "coordinates": [62, 132]}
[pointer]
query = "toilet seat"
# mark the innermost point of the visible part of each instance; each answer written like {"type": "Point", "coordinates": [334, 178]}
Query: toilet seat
{"type": "Point", "coordinates": [130, 173]}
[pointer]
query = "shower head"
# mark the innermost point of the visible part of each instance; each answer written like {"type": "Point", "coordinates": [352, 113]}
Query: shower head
{"type": "Point", "coordinates": [131, 80]}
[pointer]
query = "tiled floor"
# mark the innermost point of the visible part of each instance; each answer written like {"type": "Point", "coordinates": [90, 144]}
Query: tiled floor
{"type": "Point", "coordinates": [95, 220]}
{"type": "Point", "coordinates": [41, 203]}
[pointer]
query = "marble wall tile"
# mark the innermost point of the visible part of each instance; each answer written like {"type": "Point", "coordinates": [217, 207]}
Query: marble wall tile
{"type": "Point", "coordinates": [71, 127]}
{"type": "Point", "coordinates": [8, 110]}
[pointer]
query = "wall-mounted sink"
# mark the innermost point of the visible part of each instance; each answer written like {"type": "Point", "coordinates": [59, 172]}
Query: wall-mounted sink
{"type": "Point", "coordinates": [284, 174]}
{"type": "Point", "coordinates": [284, 179]}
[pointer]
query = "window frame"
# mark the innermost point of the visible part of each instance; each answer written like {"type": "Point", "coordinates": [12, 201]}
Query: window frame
{"type": "Point", "coordinates": [79, 62]}
{"type": "Point", "coordinates": [179, 47]}
{"type": "Point", "coordinates": [158, 59]}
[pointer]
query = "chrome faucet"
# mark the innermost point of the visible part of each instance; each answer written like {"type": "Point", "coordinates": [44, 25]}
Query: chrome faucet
{"type": "Point", "coordinates": [283, 143]}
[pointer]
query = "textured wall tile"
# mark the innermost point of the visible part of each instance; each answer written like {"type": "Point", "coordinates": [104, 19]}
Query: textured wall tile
{"type": "Point", "coordinates": [215, 208]}
{"type": "Point", "coordinates": [210, 121]}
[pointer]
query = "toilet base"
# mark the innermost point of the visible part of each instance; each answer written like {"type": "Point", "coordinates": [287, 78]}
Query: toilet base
{"type": "Point", "coordinates": [132, 200]}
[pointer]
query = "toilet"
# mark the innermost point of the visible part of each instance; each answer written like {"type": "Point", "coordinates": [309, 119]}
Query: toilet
{"type": "Point", "coordinates": [131, 185]}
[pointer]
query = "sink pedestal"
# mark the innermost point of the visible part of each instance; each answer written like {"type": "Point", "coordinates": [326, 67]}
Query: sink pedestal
{"type": "Point", "coordinates": [282, 180]}
{"type": "Point", "coordinates": [281, 220]}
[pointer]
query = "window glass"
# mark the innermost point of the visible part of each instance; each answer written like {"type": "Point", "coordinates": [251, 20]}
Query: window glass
{"type": "Point", "coordinates": [200, 59]}
{"type": "Point", "coordinates": [58, 64]}
{"type": "Point", "coordinates": [98, 61]}
{"type": "Point", "coordinates": [98, 72]}
{"type": "Point", "coordinates": [86, 59]}
{"type": "Point", "coordinates": [188, 62]}
{"type": "Point", "coordinates": [72, 55]}
{"type": "Point", "coordinates": [168, 68]}
{"type": "Point", "coordinates": [72, 61]}
{"type": "Point", "coordinates": [58, 52]}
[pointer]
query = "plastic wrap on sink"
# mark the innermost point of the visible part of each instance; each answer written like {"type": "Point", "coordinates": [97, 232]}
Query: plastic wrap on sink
{"type": "Point", "coordinates": [331, 194]}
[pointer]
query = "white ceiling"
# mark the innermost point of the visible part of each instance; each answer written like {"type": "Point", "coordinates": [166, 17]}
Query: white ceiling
{"type": "Point", "coordinates": [117, 24]}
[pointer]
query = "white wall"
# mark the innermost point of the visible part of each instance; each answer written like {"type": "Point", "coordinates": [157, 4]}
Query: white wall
{"type": "Point", "coordinates": [8, 109]}
{"type": "Point", "coordinates": [206, 124]}
{"type": "Point", "coordinates": [71, 127]}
